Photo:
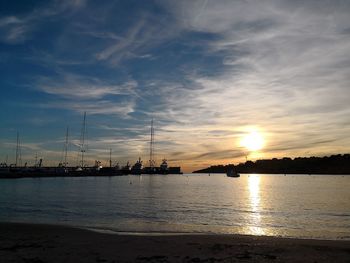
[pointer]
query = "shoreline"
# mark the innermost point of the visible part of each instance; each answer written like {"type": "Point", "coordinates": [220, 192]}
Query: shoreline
{"type": "Point", "coordinates": [114, 231]}
{"type": "Point", "coordinates": [23, 242]}
{"type": "Point", "coordinates": [174, 233]}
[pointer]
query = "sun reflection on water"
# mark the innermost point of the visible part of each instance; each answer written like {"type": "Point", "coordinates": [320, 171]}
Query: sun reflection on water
{"type": "Point", "coordinates": [254, 197]}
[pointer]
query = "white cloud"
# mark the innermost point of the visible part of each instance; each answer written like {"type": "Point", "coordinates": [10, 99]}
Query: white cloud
{"type": "Point", "coordinates": [13, 29]}
{"type": "Point", "coordinates": [118, 50]}
{"type": "Point", "coordinates": [91, 94]}
{"type": "Point", "coordinates": [82, 87]}
{"type": "Point", "coordinates": [123, 109]}
{"type": "Point", "coordinates": [18, 29]}
{"type": "Point", "coordinates": [139, 37]}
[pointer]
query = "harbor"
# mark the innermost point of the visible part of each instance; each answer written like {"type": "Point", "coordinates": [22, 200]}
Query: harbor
{"type": "Point", "coordinates": [16, 170]}
{"type": "Point", "coordinates": [22, 172]}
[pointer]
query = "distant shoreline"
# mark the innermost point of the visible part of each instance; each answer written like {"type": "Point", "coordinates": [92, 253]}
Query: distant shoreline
{"type": "Point", "coordinates": [334, 164]}
{"type": "Point", "coordinates": [54, 243]}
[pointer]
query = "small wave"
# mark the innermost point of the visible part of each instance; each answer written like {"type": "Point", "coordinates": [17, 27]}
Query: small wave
{"type": "Point", "coordinates": [138, 233]}
{"type": "Point", "coordinates": [336, 214]}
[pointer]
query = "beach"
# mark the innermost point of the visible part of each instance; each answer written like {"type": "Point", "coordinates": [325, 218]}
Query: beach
{"type": "Point", "coordinates": [55, 243]}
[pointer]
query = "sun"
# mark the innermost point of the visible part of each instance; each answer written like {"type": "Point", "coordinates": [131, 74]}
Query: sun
{"type": "Point", "coordinates": [253, 141]}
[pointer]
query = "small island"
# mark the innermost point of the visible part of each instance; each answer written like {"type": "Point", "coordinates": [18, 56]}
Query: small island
{"type": "Point", "coordinates": [334, 164]}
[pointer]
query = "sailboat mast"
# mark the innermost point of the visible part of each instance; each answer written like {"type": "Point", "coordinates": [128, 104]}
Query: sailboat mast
{"type": "Point", "coordinates": [82, 140]}
{"type": "Point", "coordinates": [66, 149]}
{"type": "Point", "coordinates": [18, 152]}
{"type": "Point", "coordinates": [151, 152]}
{"type": "Point", "coordinates": [17, 149]}
{"type": "Point", "coordinates": [110, 157]}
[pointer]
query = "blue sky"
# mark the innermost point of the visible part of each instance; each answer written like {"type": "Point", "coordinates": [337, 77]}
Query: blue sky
{"type": "Point", "coordinates": [208, 72]}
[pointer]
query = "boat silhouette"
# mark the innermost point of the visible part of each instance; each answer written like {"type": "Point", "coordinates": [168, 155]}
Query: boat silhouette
{"type": "Point", "coordinates": [232, 173]}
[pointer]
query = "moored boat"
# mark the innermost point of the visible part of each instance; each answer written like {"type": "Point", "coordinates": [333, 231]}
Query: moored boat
{"type": "Point", "coordinates": [232, 173]}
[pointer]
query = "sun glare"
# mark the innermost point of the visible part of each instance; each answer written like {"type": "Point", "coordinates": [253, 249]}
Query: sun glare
{"type": "Point", "coordinates": [253, 141]}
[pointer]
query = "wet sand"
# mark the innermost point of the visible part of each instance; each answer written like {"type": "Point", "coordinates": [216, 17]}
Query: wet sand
{"type": "Point", "coordinates": [50, 243]}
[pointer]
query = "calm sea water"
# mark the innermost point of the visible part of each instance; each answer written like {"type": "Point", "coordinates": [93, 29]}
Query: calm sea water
{"type": "Point", "coordinates": [316, 206]}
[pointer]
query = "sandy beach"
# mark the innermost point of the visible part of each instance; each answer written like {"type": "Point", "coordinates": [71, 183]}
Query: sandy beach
{"type": "Point", "coordinates": [51, 243]}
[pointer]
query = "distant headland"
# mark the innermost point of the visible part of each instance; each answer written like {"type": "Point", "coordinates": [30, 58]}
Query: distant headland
{"type": "Point", "coordinates": [334, 164]}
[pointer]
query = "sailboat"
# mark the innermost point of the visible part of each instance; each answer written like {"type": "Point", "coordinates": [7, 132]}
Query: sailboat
{"type": "Point", "coordinates": [231, 172]}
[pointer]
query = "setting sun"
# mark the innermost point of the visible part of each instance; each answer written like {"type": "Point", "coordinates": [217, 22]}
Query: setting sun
{"type": "Point", "coordinates": [253, 141]}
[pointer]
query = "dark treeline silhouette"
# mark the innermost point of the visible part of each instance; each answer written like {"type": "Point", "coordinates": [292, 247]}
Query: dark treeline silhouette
{"type": "Point", "coordinates": [335, 164]}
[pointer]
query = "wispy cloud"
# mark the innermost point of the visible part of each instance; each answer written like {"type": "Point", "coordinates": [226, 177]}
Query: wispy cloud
{"type": "Point", "coordinates": [131, 41]}
{"type": "Point", "coordinates": [82, 87]}
{"type": "Point", "coordinates": [13, 29]}
{"type": "Point", "coordinates": [103, 107]}
{"type": "Point", "coordinates": [91, 94]}
{"type": "Point", "coordinates": [143, 34]}
{"type": "Point", "coordinates": [17, 29]}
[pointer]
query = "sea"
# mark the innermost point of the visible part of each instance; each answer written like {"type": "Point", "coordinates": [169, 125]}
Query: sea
{"type": "Point", "coordinates": [297, 206]}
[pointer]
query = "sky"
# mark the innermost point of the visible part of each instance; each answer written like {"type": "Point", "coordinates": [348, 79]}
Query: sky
{"type": "Point", "coordinates": [207, 72]}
